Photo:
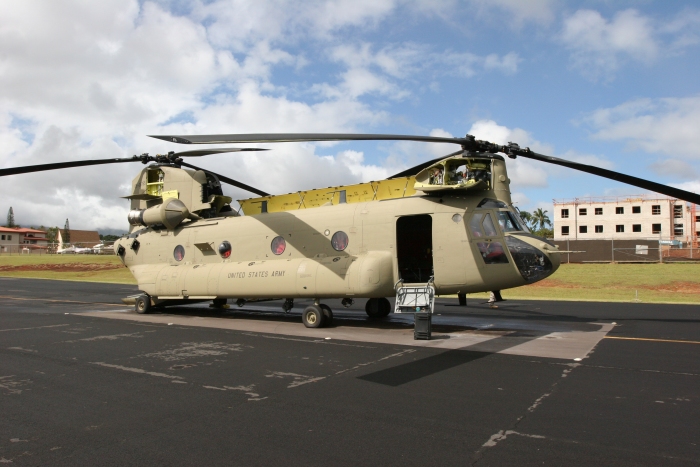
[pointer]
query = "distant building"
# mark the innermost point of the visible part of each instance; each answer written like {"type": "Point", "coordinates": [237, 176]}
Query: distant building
{"type": "Point", "coordinates": [14, 240]}
{"type": "Point", "coordinates": [637, 217]}
{"type": "Point", "coordinates": [79, 238]}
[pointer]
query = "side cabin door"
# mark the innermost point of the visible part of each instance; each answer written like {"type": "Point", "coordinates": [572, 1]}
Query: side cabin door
{"type": "Point", "coordinates": [414, 248]}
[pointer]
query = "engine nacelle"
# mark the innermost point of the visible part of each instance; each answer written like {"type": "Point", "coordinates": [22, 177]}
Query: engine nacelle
{"type": "Point", "coordinates": [169, 213]}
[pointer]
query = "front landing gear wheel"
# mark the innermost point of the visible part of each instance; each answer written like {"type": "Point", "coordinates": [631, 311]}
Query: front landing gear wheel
{"type": "Point", "coordinates": [378, 308]}
{"type": "Point", "coordinates": [312, 317]}
{"type": "Point", "coordinates": [327, 315]}
{"type": "Point", "coordinates": [143, 304]}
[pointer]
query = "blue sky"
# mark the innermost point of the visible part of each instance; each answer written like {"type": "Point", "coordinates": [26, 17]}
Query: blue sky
{"type": "Point", "coordinates": [607, 83]}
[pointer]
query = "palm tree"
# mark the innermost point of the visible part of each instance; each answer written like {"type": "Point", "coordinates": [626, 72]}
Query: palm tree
{"type": "Point", "coordinates": [540, 219]}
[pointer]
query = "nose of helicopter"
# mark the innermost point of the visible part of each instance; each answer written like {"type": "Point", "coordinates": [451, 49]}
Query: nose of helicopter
{"type": "Point", "coordinates": [534, 257]}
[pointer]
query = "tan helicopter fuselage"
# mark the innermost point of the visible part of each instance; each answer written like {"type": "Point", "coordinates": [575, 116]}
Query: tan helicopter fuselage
{"type": "Point", "coordinates": [385, 240]}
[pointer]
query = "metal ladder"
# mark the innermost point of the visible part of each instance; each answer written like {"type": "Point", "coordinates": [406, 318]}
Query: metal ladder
{"type": "Point", "coordinates": [418, 299]}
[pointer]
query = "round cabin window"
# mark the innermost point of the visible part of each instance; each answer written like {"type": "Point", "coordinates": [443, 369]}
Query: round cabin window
{"type": "Point", "coordinates": [179, 253]}
{"type": "Point", "coordinates": [225, 249]}
{"type": "Point", "coordinates": [278, 245]}
{"type": "Point", "coordinates": [339, 241]}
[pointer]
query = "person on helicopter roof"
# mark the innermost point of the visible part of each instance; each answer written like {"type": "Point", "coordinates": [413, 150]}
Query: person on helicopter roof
{"type": "Point", "coordinates": [436, 176]}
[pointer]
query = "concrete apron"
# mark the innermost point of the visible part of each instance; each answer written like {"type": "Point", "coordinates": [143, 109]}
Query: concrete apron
{"type": "Point", "coordinates": [560, 340]}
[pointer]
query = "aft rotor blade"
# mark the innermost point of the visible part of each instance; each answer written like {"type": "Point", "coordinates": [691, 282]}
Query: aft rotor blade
{"type": "Point", "coordinates": [230, 181]}
{"type": "Point", "coordinates": [206, 152]}
{"type": "Point", "coordinates": [301, 137]}
{"type": "Point", "coordinates": [610, 174]}
{"type": "Point", "coordinates": [62, 165]}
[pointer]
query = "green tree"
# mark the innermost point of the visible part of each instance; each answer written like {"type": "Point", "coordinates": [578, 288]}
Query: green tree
{"type": "Point", "coordinates": [52, 234]}
{"type": "Point", "coordinates": [66, 240]}
{"type": "Point", "coordinates": [11, 218]}
{"type": "Point", "coordinates": [540, 220]}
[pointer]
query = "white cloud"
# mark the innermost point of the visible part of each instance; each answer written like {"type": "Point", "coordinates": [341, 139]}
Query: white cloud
{"type": "Point", "coordinates": [390, 70]}
{"type": "Point", "coordinates": [693, 186]}
{"type": "Point", "coordinates": [675, 168]}
{"type": "Point", "coordinates": [517, 12]}
{"type": "Point", "coordinates": [661, 126]}
{"type": "Point", "coordinates": [600, 47]}
{"type": "Point", "coordinates": [508, 64]}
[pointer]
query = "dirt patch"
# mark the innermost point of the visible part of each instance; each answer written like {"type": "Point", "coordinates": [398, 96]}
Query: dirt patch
{"type": "Point", "coordinates": [555, 284]}
{"type": "Point", "coordinates": [67, 267]}
{"type": "Point", "coordinates": [678, 287]}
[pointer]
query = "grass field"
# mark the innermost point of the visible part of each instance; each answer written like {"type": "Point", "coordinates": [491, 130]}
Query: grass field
{"type": "Point", "coordinates": [670, 283]}
{"type": "Point", "coordinates": [654, 282]}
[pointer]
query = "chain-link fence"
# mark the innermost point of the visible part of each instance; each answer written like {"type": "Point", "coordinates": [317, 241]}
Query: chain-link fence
{"type": "Point", "coordinates": [625, 251]}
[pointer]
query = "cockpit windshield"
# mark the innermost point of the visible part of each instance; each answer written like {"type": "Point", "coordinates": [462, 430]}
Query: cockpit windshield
{"type": "Point", "coordinates": [508, 222]}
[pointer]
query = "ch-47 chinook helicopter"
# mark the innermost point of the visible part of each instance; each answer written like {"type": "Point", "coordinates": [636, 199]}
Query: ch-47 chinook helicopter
{"type": "Point", "coordinates": [448, 222]}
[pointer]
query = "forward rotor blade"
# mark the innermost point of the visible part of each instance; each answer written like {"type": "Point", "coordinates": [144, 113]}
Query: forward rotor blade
{"type": "Point", "coordinates": [469, 143]}
{"type": "Point", "coordinates": [62, 165]}
{"type": "Point", "coordinates": [230, 181]}
{"type": "Point", "coordinates": [301, 137]}
{"type": "Point", "coordinates": [617, 176]}
{"type": "Point", "coordinates": [206, 152]}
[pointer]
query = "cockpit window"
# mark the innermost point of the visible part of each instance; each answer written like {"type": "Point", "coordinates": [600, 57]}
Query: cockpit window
{"type": "Point", "coordinates": [491, 203]}
{"type": "Point", "coordinates": [475, 225]}
{"type": "Point", "coordinates": [492, 252]}
{"type": "Point", "coordinates": [508, 222]}
{"type": "Point", "coordinates": [489, 228]}
{"type": "Point", "coordinates": [482, 225]}
{"type": "Point", "coordinates": [523, 225]}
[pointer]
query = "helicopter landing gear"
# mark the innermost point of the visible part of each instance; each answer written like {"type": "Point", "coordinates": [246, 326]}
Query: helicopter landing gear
{"type": "Point", "coordinates": [312, 317]}
{"type": "Point", "coordinates": [327, 315]}
{"type": "Point", "coordinates": [378, 308]}
{"type": "Point", "coordinates": [143, 304]}
{"type": "Point", "coordinates": [347, 302]}
{"type": "Point", "coordinates": [219, 303]}
{"type": "Point", "coordinates": [317, 315]}
{"type": "Point", "coordinates": [288, 305]}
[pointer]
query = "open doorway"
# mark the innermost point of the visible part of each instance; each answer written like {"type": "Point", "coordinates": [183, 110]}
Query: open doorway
{"type": "Point", "coordinates": [414, 248]}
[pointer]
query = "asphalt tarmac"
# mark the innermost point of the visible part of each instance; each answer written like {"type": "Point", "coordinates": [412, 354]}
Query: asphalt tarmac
{"type": "Point", "coordinates": [85, 381]}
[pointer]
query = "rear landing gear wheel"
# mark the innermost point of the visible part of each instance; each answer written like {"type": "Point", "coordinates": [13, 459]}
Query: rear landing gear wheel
{"type": "Point", "coordinates": [219, 305]}
{"type": "Point", "coordinates": [312, 317]}
{"type": "Point", "coordinates": [143, 304]}
{"type": "Point", "coordinates": [327, 315]}
{"type": "Point", "coordinates": [378, 308]}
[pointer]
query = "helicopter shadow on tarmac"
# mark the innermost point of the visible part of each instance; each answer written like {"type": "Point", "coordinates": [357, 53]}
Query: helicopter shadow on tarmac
{"type": "Point", "coordinates": [417, 369]}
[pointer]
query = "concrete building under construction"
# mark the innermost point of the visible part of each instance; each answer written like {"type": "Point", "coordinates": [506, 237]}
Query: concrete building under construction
{"type": "Point", "coordinates": [627, 218]}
